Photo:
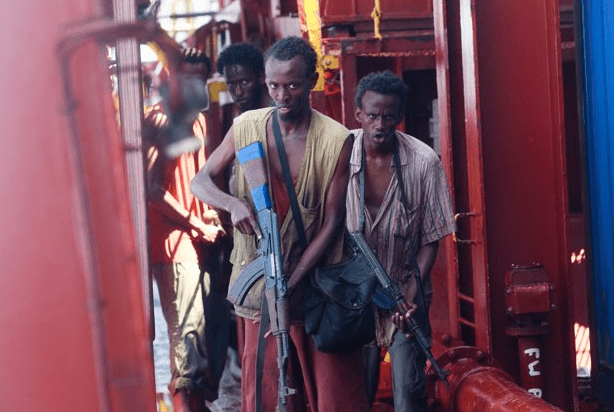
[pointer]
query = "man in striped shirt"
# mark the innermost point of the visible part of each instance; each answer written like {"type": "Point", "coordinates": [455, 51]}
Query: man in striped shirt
{"type": "Point", "coordinates": [403, 233]}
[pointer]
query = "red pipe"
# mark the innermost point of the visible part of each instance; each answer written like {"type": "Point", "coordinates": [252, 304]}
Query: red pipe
{"type": "Point", "coordinates": [492, 390]}
{"type": "Point", "coordinates": [476, 383]}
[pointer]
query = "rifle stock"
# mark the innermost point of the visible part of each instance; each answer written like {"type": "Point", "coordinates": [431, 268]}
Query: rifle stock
{"type": "Point", "coordinates": [360, 245]}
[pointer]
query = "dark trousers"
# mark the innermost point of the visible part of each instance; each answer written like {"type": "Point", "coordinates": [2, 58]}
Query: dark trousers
{"type": "Point", "coordinates": [408, 364]}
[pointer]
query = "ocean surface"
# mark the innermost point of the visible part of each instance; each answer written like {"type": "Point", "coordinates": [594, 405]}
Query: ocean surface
{"type": "Point", "coordinates": [160, 346]}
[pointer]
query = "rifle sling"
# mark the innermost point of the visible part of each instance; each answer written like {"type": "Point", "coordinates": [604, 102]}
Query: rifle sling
{"type": "Point", "coordinates": [265, 320]}
{"type": "Point", "coordinates": [283, 159]}
{"type": "Point", "coordinates": [361, 221]}
{"type": "Point", "coordinates": [264, 316]}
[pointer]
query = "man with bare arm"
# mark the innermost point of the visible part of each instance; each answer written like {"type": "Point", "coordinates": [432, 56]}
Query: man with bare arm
{"type": "Point", "coordinates": [180, 229]}
{"type": "Point", "coordinates": [318, 150]}
{"type": "Point", "coordinates": [242, 66]}
{"type": "Point", "coordinates": [406, 211]}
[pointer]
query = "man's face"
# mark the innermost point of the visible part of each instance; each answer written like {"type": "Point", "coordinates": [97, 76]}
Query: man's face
{"type": "Point", "coordinates": [289, 87]}
{"type": "Point", "coordinates": [244, 86]}
{"type": "Point", "coordinates": [379, 117]}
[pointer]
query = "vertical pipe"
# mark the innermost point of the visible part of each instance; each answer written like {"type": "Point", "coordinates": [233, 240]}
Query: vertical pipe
{"type": "Point", "coordinates": [529, 354]}
{"type": "Point", "coordinates": [475, 170]}
{"type": "Point", "coordinates": [348, 83]}
{"type": "Point", "coordinates": [131, 113]}
{"type": "Point", "coordinates": [596, 36]}
{"type": "Point", "coordinates": [442, 67]}
{"type": "Point", "coordinates": [87, 241]}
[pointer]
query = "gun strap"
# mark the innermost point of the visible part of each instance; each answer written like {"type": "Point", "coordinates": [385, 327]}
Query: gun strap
{"type": "Point", "coordinates": [361, 219]}
{"type": "Point", "coordinates": [397, 167]}
{"type": "Point", "coordinates": [283, 159]}
{"type": "Point", "coordinates": [265, 316]}
{"type": "Point", "coordinates": [265, 320]}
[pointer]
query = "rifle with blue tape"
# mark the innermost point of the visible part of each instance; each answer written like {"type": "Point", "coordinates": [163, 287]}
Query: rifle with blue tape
{"type": "Point", "coordinates": [267, 264]}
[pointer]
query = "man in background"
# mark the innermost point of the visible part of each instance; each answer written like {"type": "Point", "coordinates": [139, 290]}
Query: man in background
{"type": "Point", "coordinates": [242, 66]}
{"type": "Point", "coordinates": [180, 226]}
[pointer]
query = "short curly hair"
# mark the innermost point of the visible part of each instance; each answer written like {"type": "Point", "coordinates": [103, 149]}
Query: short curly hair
{"type": "Point", "coordinates": [384, 82]}
{"type": "Point", "coordinates": [244, 54]}
{"type": "Point", "coordinates": [194, 56]}
{"type": "Point", "coordinates": [291, 46]}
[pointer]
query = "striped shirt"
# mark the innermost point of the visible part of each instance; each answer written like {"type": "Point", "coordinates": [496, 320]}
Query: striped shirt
{"type": "Point", "coordinates": [395, 235]}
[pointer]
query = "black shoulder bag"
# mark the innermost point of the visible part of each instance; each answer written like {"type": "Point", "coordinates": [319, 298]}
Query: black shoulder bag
{"type": "Point", "coordinates": [338, 304]}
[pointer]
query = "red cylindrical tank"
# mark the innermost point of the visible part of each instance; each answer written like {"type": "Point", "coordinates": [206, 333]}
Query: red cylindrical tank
{"type": "Point", "coordinates": [74, 335]}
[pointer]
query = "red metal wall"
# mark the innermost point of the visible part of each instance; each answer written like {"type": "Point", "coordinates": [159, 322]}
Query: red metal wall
{"type": "Point", "coordinates": [74, 335]}
{"type": "Point", "coordinates": [525, 172]}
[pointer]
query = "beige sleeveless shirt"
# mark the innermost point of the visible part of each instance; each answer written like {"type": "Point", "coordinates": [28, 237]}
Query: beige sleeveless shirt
{"type": "Point", "coordinates": [324, 142]}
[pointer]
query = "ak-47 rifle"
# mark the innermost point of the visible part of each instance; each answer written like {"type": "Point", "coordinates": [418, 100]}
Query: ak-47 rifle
{"type": "Point", "coordinates": [267, 264]}
{"type": "Point", "coordinates": [360, 245]}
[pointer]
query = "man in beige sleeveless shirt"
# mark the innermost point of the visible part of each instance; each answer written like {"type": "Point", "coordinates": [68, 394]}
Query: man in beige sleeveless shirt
{"type": "Point", "coordinates": [318, 150]}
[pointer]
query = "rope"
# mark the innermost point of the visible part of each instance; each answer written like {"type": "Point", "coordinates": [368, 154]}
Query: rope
{"type": "Point", "coordinates": [376, 15]}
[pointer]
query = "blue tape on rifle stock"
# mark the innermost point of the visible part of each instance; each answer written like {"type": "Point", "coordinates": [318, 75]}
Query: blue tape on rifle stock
{"type": "Point", "coordinates": [383, 299]}
{"type": "Point", "coordinates": [250, 152]}
{"type": "Point", "coordinates": [260, 196]}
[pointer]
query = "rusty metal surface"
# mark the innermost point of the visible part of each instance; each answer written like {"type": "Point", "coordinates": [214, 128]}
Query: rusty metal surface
{"type": "Point", "coordinates": [525, 184]}
{"type": "Point", "coordinates": [397, 52]}
{"type": "Point", "coordinates": [357, 10]}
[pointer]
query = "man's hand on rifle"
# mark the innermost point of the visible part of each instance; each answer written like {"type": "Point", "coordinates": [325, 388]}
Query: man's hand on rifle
{"type": "Point", "coordinates": [243, 218]}
{"type": "Point", "coordinates": [401, 316]}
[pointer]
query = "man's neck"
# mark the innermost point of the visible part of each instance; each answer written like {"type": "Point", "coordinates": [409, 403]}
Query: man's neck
{"type": "Point", "coordinates": [378, 152]}
{"type": "Point", "coordinates": [296, 127]}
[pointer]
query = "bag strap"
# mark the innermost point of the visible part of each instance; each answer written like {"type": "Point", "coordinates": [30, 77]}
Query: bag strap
{"type": "Point", "coordinates": [264, 312]}
{"type": "Point", "coordinates": [283, 159]}
{"type": "Point", "coordinates": [397, 167]}
{"type": "Point", "coordinates": [361, 219]}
